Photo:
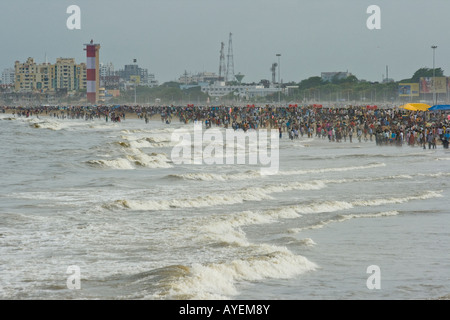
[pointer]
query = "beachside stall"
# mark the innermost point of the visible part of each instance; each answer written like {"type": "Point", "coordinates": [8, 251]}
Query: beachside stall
{"type": "Point", "coordinates": [415, 106]}
{"type": "Point", "coordinates": [440, 107]}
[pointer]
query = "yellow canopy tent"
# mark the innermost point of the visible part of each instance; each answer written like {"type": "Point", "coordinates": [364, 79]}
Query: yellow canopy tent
{"type": "Point", "coordinates": [415, 106]}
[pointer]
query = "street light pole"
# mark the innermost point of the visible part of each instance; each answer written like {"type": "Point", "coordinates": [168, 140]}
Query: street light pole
{"type": "Point", "coordinates": [135, 82]}
{"type": "Point", "coordinates": [279, 81]}
{"type": "Point", "coordinates": [434, 76]}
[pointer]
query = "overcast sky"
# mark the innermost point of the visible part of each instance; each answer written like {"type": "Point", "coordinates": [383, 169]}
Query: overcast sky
{"type": "Point", "coordinates": [171, 36]}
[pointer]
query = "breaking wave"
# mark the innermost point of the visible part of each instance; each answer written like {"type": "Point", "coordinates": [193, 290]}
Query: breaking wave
{"type": "Point", "coordinates": [140, 159]}
{"type": "Point", "coordinates": [46, 124]}
{"type": "Point", "coordinates": [219, 280]}
{"type": "Point", "coordinates": [249, 194]}
{"type": "Point", "coordinates": [232, 197]}
{"type": "Point", "coordinates": [342, 218]}
{"type": "Point", "coordinates": [120, 163]}
{"type": "Point", "coordinates": [202, 176]}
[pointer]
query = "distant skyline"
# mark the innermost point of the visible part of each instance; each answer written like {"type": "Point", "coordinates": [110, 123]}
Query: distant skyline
{"type": "Point", "coordinates": [170, 36]}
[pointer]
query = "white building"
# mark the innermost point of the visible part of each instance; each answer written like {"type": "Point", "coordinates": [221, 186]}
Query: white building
{"type": "Point", "coordinates": [330, 76]}
{"type": "Point", "coordinates": [8, 76]}
{"type": "Point", "coordinates": [188, 78]}
{"type": "Point", "coordinates": [106, 69]}
{"type": "Point", "coordinates": [219, 89]}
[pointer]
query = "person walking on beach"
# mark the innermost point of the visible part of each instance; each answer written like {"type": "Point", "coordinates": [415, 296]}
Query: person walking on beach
{"type": "Point", "coordinates": [430, 140]}
{"type": "Point", "coordinates": [350, 133]}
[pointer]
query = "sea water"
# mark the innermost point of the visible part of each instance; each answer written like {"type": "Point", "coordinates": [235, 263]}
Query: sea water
{"type": "Point", "coordinates": [107, 199]}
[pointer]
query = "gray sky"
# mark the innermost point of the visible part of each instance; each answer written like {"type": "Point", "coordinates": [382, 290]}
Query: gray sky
{"type": "Point", "coordinates": [170, 36]}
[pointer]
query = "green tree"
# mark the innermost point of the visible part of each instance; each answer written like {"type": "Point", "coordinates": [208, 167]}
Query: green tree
{"type": "Point", "coordinates": [426, 72]}
{"type": "Point", "coordinates": [311, 82]}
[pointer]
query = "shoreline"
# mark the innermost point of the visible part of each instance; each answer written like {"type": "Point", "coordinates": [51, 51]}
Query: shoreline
{"type": "Point", "coordinates": [386, 126]}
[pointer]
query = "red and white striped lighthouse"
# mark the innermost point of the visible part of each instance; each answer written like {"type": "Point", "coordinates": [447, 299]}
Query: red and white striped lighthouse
{"type": "Point", "coordinates": [92, 71]}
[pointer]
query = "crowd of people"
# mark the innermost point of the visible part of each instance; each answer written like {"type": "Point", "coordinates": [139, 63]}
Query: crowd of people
{"type": "Point", "coordinates": [384, 126]}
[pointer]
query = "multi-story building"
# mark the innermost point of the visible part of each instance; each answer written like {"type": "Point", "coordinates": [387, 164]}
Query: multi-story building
{"type": "Point", "coordinates": [110, 82]}
{"type": "Point", "coordinates": [24, 75]}
{"type": "Point", "coordinates": [69, 75]}
{"type": "Point", "coordinates": [81, 76]}
{"type": "Point", "coordinates": [133, 73]}
{"type": "Point", "coordinates": [65, 74]}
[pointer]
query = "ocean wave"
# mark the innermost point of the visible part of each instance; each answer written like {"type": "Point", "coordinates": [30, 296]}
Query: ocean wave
{"type": "Point", "coordinates": [154, 160]}
{"type": "Point", "coordinates": [252, 194]}
{"type": "Point", "coordinates": [120, 163]}
{"type": "Point", "coordinates": [196, 202]}
{"type": "Point", "coordinates": [133, 156]}
{"type": "Point", "coordinates": [434, 175]}
{"type": "Point", "coordinates": [219, 280]}
{"type": "Point", "coordinates": [307, 242]}
{"type": "Point", "coordinates": [231, 197]}
{"type": "Point", "coordinates": [202, 176]}
{"type": "Point", "coordinates": [395, 200]}
{"type": "Point", "coordinates": [332, 206]}
{"type": "Point", "coordinates": [372, 202]}
{"type": "Point", "coordinates": [152, 130]}
{"type": "Point", "coordinates": [341, 169]}
{"type": "Point", "coordinates": [141, 143]}
{"type": "Point", "coordinates": [45, 124]}
{"type": "Point", "coordinates": [147, 142]}
{"type": "Point", "coordinates": [342, 218]}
